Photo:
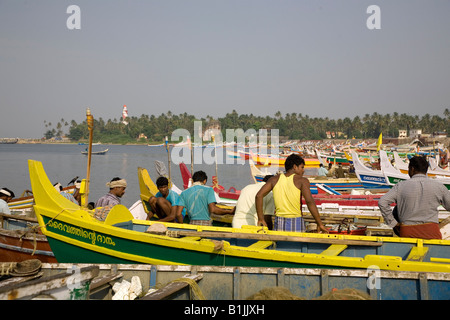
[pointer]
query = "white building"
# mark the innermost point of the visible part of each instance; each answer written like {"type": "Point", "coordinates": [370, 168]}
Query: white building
{"type": "Point", "coordinates": [402, 134]}
{"type": "Point", "coordinates": [415, 133]}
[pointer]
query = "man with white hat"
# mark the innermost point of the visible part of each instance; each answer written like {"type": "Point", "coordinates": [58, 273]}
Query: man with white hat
{"type": "Point", "coordinates": [5, 196]}
{"type": "Point", "coordinates": [117, 188]}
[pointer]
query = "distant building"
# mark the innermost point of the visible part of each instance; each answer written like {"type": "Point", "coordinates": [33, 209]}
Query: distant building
{"type": "Point", "coordinates": [142, 136]}
{"type": "Point", "coordinates": [415, 133]}
{"type": "Point", "coordinates": [439, 135]}
{"type": "Point", "coordinates": [402, 134]}
{"type": "Point", "coordinates": [212, 130]}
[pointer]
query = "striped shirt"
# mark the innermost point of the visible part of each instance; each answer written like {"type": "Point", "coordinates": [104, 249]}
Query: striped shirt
{"type": "Point", "coordinates": [107, 200]}
{"type": "Point", "coordinates": [417, 201]}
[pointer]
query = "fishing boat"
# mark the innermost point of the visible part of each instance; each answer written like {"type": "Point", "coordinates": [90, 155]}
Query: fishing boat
{"type": "Point", "coordinates": [147, 188]}
{"type": "Point", "coordinates": [336, 184]}
{"type": "Point", "coordinates": [74, 285]}
{"type": "Point", "coordinates": [9, 140]}
{"type": "Point", "coordinates": [224, 196]}
{"type": "Point", "coordinates": [21, 239]}
{"type": "Point", "coordinates": [371, 179]}
{"type": "Point", "coordinates": [162, 282]}
{"type": "Point", "coordinates": [76, 236]}
{"type": "Point", "coordinates": [86, 144]}
{"type": "Point", "coordinates": [270, 160]}
{"type": "Point", "coordinates": [96, 152]}
{"type": "Point", "coordinates": [26, 202]}
{"type": "Point", "coordinates": [433, 171]}
{"type": "Point", "coordinates": [388, 176]}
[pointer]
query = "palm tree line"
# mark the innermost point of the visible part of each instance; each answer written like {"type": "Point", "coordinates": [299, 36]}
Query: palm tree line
{"type": "Point", "coordinates": [295, 126]}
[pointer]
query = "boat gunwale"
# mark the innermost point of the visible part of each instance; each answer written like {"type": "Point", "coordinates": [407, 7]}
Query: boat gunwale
{"type": "Point", "coordinates": [80, 220]}
{"type": "Point", "coordinates": [207, 246]}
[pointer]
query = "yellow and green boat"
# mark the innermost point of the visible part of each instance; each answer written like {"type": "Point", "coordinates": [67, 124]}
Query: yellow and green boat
{"type": "Point", "coordinates": [76, 236]}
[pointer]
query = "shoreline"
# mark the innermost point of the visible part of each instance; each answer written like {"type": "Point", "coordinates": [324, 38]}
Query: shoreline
{"type": "Point", "coordinates": [429, 141]}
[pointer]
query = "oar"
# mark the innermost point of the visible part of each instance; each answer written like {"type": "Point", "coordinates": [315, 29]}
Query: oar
{"type": "Point", "coordinates": [90, 123]}
{"type": "Point", "coordinates": [270, 237]}
{"type": "Point", "coordinates": [166, 142]}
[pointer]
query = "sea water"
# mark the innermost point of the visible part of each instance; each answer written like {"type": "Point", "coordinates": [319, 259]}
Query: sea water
{"type": "Point", "coordinates": [63, 162]}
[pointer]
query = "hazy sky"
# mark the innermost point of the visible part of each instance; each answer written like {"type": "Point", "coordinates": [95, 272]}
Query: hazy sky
{"type": "Point", "coordinates": [208, 57]}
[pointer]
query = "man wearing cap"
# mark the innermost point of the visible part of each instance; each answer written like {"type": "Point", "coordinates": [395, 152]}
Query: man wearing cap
{"type": "Point", "coordinates": [66, 195]}
{"type": "Point", "coordinates": [117, 188]}
{"type": "Point", "coordinates": [5, 196]}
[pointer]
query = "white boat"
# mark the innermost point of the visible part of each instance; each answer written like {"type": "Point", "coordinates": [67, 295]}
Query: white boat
{"type": "Point", "coordinates": [387, 176]}
{"type": "Point", "coordinates": [369, 178]}
{"type": "Point", "coordinates": [433, 170]}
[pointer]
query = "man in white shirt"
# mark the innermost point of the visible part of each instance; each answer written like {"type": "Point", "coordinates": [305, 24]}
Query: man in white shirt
{"type": "Point", "coordinates": [322, 172]}
{"type": "Point", "coordinates": [5, 196]}
{"type": "Point", "coordinates": [246, 209]}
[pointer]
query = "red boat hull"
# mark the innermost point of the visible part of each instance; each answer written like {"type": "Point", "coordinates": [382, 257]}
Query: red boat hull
{"type": "Point", "coordinates": [14, 248]}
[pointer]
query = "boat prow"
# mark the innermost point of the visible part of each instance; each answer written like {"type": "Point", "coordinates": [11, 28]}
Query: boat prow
{"type": "Point", "coordinates": [45, 195]}
{"type": "Point", "coordinates": [147, 187]}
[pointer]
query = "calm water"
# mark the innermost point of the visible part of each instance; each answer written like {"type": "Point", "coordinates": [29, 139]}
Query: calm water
{"type": "Point", "coordinates": [64, 162]}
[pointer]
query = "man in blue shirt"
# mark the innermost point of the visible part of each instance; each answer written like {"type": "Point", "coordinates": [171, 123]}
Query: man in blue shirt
{"type": "Point", "coordinates": [200, 201]}
{"type": "Point", "coordinates": [166, 204]}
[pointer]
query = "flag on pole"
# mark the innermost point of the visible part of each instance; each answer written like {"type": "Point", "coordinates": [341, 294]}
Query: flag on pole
{"type": "Point", "coordinates": [380, 139]}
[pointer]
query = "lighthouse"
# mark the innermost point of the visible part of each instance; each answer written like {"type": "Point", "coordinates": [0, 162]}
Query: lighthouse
{"type": "Point", "coordinates": [124, 115]}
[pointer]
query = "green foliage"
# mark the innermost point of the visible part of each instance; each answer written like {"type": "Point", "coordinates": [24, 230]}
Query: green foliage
{"type": "Point", "coordinates": [291, 125]}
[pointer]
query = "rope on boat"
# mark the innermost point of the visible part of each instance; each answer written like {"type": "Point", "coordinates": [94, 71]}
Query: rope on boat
{"type": "Point", "coordinates": [34, 229]}
{"type": "Point", "coordinates": [195, 290]}
{"type": "Point", "coordinates": [7, 268]}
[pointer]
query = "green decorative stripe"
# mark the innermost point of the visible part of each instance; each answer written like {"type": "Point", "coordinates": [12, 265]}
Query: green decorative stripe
{"type": "Point", "coordinates": [395, 180]}
{"type": "Point", "coordinates": [69, 253]}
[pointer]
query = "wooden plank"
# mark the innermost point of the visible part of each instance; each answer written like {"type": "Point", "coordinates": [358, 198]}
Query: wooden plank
{"type": "Point", "coordinates": [417, 254]}
{"type": "Point", "coordinates": [17, 280]}
{"type": "Point", "coordinates": [334, 250]}
{"type": "Point", "coordinates": [171, 288]}
{"type": "Point", "coordinates": [261, 245]}
{"type": "Point", "coordinates": [270, 237]}
{"type": "Point", "coordinates": [18, 217]}
{"type": "Point", "coordinates": [99, 282]}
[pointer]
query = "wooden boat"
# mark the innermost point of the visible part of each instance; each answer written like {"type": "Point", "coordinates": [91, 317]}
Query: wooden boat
{"type": "Point", "coordinates": [86, 144]}
{"type": "Point", "coordinates": [147, 188]}
{"type": "Point", "coordinates": [388, 176]}
{"type": "Point", "coordinates": [20, 239]}
{"type": "Point", "coordinates": [433, 171]}
{"type": "Point", "coordinates": [27, 201]}
{"type": "Point", "coordinates": [76, 236]}
{"type": "Point", "coordinates": [337, 184]}
{"type": "Point", "coordinates": [372, 179]}
{"type": "Point", "coordinates": [162, 282]}
{"type": "Point", "coordinates": [95, 152]}
{"type": "Point", "coordinates": [69, 285]}
{"type": "Point", "coordinates": [225, 196]}
{"type": "Point", "coordinates": [9, 140]}
{"type": "Point", "coordinates": [269, 160]}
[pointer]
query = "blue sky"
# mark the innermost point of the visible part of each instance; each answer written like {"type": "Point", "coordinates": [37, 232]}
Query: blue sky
{"type": "Point", "coordinates": [208, 57]}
